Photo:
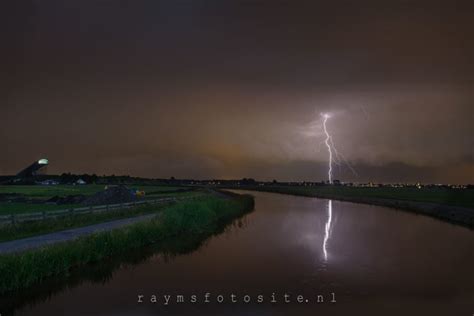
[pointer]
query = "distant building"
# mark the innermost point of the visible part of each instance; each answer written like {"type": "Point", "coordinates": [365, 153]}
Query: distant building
{"type": "Point", "coordinates": [48, 182]}
{"type": "Point", "coordinates": [80, 182]}
{"type": "Point", "coordinates": [34, 169]}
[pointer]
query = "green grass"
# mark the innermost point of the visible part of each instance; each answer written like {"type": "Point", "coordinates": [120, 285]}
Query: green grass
{"type": "Point", "coordinates": [443, 196]}
{"type": "Point", "coordinates": [29, 229]}
{"type": "Point", "coordinates": [174, 194]}
{"type": "Point", "coordinates": [21, 208]}
{"type": "Point", "coordinates": [46, 192]}
{"type": "Point", "coordinates": [193, 219]}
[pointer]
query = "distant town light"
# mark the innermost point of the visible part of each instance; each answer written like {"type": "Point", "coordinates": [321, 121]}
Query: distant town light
{"type": "Point", "coordinates": [43, 161]}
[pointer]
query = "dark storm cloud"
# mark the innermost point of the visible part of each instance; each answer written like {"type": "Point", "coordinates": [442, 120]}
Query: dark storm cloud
{"type": "Point", "coordinates": [234, 88]}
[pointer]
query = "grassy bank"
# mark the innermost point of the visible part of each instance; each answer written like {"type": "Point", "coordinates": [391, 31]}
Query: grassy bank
{"type": "Point", "coordinates": [29, 229]}
{"type": "Point", "coordinates": [194, 219]}
{"type": "Point", "coordinates": [451, 205]}
{"type": "Point", "coordinates": [39, 194]}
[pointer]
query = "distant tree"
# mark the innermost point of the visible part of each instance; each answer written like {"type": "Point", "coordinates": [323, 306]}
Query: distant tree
{"type": "Point", "coordinates": [66, 178]}
{"type": "Point", "coordinates": [94, 178]}
{"type": "Point", "coordinates": [247, 181]}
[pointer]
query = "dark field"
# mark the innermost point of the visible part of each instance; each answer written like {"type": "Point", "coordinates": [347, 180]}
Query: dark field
{"type": "Point", "coordinates": [42, 193]}
{"type": "Point", "coordinates": [45, 191]}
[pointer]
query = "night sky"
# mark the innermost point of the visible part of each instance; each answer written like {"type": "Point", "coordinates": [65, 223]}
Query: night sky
{"type": "Point", "coordinates": [232, 89]}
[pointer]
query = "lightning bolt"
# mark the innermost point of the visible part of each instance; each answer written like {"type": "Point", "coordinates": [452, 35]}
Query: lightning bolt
{"type": "Point", "coordinates": [327, 230]}
{"type": "Point", "coordinates": [334, 155]}
{"type": "Point", "coordinates": [328, 143]}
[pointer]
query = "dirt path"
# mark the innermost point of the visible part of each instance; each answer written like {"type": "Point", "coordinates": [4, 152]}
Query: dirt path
{"type": "Point", "coordinates": [66, 235]}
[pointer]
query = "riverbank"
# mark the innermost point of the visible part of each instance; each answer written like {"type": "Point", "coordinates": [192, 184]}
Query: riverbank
{"type": "Point", "coordinates": [194, 219]}
{"type": "Point", "coordinates": [35, 242]}
{"type": "Point", "coordinates": [35, 228]}
{"type": "Point", "coordinates": [450, 206]}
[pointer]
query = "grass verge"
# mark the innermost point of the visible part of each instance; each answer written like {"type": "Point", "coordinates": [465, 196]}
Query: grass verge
{"type": "Point", "coordinates": [34, 228]}
{"type": "Point", "coordinates": [194, 219]}
{"type": "Point", "coordinates": [42, 193]}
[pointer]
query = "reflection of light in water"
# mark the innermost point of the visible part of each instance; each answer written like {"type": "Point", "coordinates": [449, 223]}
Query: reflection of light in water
{"type": "Point", "coordinates": [327, 229]}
